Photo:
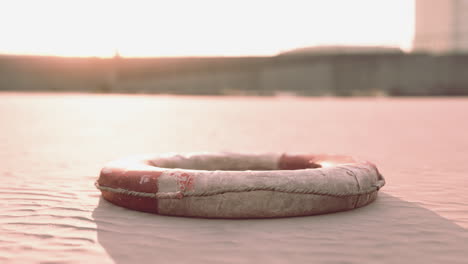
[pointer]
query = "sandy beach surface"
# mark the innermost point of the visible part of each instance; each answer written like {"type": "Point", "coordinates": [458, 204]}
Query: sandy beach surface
{"type": "Point", "coordinates": [52, 147]}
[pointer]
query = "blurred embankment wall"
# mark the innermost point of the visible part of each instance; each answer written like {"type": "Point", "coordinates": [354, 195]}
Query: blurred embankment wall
{"type": "Point", "coordinates": [396, 74]}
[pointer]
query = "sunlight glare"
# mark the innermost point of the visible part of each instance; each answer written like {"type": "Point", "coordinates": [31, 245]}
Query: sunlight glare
{"type": "Point", "coordinates": [198, 28]}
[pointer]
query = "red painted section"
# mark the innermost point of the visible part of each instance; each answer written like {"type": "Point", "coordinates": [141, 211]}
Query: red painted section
{"type": "Point", "coordinates": [140, 181]}
{"type": "Point", "coordinates": [185, 181]}
{"type": "Point", "coordinates": [149, 205]}
{"type": "Point", "coordinates": [298, 162]}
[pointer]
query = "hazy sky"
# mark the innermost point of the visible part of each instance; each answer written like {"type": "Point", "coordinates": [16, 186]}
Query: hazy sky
{"type": "Point", "coordinates": [201, 27]}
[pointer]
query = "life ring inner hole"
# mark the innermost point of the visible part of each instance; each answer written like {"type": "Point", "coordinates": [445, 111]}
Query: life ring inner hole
{"type": "Point", "coordinates": [248, 162]}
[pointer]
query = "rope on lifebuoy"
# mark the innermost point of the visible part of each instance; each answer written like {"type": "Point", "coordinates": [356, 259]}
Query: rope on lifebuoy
{"type": "Point", "coordinates": [237, 185]}
{"type": "Point", "coordinates": [180, 195]}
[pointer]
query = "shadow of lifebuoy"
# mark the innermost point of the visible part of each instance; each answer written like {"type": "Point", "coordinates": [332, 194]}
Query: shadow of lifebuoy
{"type": "Point", "coordinates": [390, 230]}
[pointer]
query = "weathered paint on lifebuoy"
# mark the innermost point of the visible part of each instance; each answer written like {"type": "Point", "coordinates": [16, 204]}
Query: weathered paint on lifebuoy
{"type": "Point", "coordinates": [233, 185]}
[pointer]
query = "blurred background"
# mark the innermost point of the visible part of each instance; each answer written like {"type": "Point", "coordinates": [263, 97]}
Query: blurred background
{"type": "Point", "coordinates": [305, 48]}
{"type": "Point", "coordinates": [69, 71]}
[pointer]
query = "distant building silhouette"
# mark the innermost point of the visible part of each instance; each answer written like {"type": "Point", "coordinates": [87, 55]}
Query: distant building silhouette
{"type": "Point", "coordinates": [341, 49]}
{"type": "Point", "coordinates": [343, 73]}
{"type": "Point", "coordinates": [441, 26]}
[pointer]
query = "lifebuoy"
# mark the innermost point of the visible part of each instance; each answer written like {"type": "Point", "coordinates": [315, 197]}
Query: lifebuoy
{"type": "Point", "coordinates": [232, 185]}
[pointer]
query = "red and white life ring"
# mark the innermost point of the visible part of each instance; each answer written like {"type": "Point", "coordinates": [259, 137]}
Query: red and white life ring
{"type": "Point", "coordinates": [230, 185]}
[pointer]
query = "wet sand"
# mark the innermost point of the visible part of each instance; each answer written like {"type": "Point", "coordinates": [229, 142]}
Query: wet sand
{"type": "Point", "coordinates": [53, 146]}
